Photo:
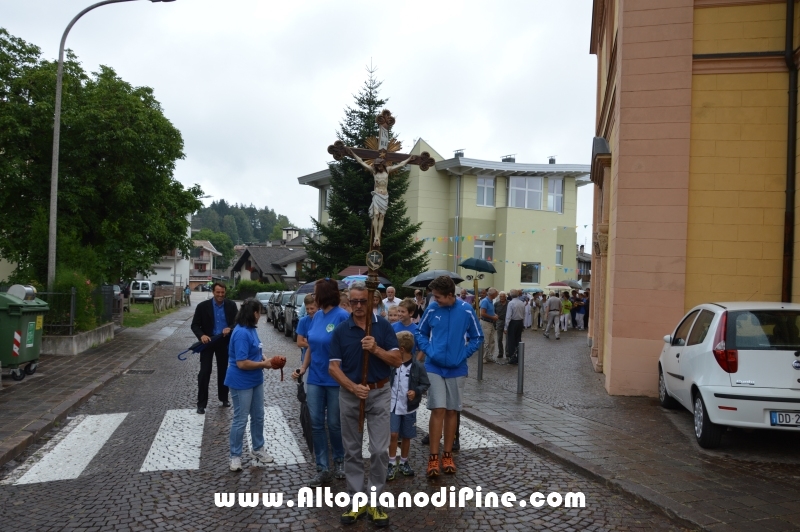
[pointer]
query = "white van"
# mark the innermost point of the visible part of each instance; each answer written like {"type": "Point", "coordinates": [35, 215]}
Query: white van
{"type": "Point", "coordinates": [142, 290]}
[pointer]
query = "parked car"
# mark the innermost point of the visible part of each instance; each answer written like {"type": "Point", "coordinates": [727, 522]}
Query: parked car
{"type": "Point", "coordinates": [142, 291]}
{"type": "Point", "coordinates": [263, 297]}
{"type": "Point", "coordinates": [273, 302]}
{"type": "Point", "coordinates": [295, 309]}
{"type": "Point", "coordinates": [734, 365]}
{"type": "Point", "coordinates": [164, 283]}
{"type": "Point", "coordinates": [280, 310]}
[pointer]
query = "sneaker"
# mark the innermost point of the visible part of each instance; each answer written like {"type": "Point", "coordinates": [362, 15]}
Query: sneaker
{"type": "Point", "coordinates": [378, 516]}
{"type": "Point", "coordinates": [558, 338]}
{"type": "Point", "coordinates": [405, 469]}
{"type": "Point", "coordinates": [322, 477]}
{"type": "Point", "coordinates": [546, 335]}
{"type": "Point", "coordinates": [514, 361]}
{"type": "Point", "coordinates": [236, 463]}
{"type": "Point", "coordinates": [448, 465]}
{"type": "Point", "coordinates": [426, 440]}
{"type": "Point", "coordinates": [456, 445]}
{"type": "Point", "coordinates": [338, 469]}
{"type": "Point", "coordinates": [433, 466]}
{"type": "Point", "coordinates": [262, 456]}
{"type": "Point", "coordinates": [348, 518]}
{"type": "Point", "coordinates": [391, 473]}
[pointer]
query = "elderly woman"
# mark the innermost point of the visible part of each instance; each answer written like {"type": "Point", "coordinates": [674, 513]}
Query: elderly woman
{"type": "Point", "coordinates": [323, 391]}
{"type": "Point", "coordinates": [245, 379]}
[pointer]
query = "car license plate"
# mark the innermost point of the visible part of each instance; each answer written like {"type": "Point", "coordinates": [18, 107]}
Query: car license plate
{"type": "Point", "coordinates": [784, 419]}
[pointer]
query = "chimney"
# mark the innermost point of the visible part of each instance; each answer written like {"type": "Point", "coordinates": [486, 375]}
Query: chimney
{"type": "Point", "coordinates": [552, 159]}
{"type": "Point", "coordinates": [458, 153]}
{"type": "Point", "coordinates": [509, 158]}
{"type": "Point", "coordinates": [581, 248]}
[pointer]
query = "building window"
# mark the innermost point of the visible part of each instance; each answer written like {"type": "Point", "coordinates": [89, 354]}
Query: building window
{"type": "Point", "coordinates": [559, 255]}
{"type": "Point", "coordinates": [525, 192]}
{"type": "Point", "coordinates": [484, 250]}
{"type": "Point", "coordinates": [327, 192]}
{"type": "Point", "coordinates": [530, 272]}
{"type": "Point", "coordinates": [555, 195]}
{"type": "Point", "coordinates": [486, 191]}
{"type": "Point", "coordinates": [201, 267]}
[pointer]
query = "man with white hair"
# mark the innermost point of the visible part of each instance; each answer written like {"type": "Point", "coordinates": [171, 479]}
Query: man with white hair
{"type": "Point", "coordinates": [515, 316]}
{"type": "Point", "coordinates": [488, 325]}
{"type": "Point", "coordinates": [390, 300]}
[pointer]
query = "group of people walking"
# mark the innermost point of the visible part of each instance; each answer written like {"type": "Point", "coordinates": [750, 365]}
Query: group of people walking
{"type": "Point", "coordinates": [423, 350]}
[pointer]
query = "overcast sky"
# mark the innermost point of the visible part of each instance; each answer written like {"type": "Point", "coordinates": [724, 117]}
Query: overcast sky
{"type": "Point", "coordinates": [257, 87]}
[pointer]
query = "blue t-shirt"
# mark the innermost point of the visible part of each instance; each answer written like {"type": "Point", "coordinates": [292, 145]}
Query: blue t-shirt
{"type": "Point", "coordinates": [244, 345]}
{"type": "Point", "coordinates": [346, 347]}
{"type": "Point", "coordinates": [488, 306]}
{"type": "Point", "coordinates": [319, 337]}
{"type": "Point", "coordinates": [302, 330]}
{"type": "Point", "coordinates": [412, 328]}
{"type": "Point", "coordinates": [220, 322]}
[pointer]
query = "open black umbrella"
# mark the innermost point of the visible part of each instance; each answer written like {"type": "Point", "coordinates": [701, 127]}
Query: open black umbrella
{"type": "Point", "coordinates": [423, 279]}
{"type": "Point", "coordinates": [305, 415]}
{"type": "Point", "coordinates": [479, 265]}
{"type": "Point", "coordinates": [308, 288]}
{"type": "Point", "coordinates": [199, 346]}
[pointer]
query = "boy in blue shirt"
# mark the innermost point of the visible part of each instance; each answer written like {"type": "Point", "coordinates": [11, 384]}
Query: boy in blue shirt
{"type": "Point", "coordinates": [405, 311]}
{"type": "Point", "coordinates": [304, 324]}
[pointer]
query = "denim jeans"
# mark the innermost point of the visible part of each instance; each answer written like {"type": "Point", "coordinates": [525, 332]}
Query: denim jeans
{"type": "Point", "coordinates": [318, 399]}
{"type": "Point", "coordinates": [248, 402]}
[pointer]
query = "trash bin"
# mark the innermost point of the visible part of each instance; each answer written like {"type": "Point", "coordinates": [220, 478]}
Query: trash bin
{"type": "Point", "coordinates": [21, 328]}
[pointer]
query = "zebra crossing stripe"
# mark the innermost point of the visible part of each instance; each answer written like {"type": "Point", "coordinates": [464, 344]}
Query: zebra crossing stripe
{"type": "Point", "coordinates": [75, 451]}
{"type": "Point", "coordinates": [177, 443]}
{"type": "Point", "coordinates": [471, 434]}
{"type": "Point", "coordinates": [279, 441]}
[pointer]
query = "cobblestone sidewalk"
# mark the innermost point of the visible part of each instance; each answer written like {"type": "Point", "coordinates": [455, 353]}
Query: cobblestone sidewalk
{"type": "Point", "coordinates": [633, 444]}
{"type": "Point", "coordinates": [31, 407]}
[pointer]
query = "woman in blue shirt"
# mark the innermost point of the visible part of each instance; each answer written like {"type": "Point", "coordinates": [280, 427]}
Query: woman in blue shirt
{"type": "Point", "coordinates": [323, 391]}
{"type": "Point", "coordinates": [245, 379]}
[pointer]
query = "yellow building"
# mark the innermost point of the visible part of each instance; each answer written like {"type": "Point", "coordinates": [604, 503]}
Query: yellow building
{"type": "Point", "coordinates": [520, 216]}
{"type": "Point", "coordinates": [695, 165]}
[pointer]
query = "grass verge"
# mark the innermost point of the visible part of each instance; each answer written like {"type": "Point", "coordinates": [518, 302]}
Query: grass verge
{"type": "Point", "coordinates": [142, 313]}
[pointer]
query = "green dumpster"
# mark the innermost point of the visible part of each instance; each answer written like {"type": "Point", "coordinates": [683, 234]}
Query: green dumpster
{"type": "Point", "coordinates": [21, 327]}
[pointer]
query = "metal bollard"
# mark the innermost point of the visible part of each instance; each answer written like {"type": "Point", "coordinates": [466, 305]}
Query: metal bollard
{"type": "Point", "coordinates": [520, 367]}
{"type": "Point", "coordinates": [480, 365]}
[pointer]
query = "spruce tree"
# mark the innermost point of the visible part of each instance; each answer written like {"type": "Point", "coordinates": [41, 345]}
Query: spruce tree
{"type": "Point", "coordinates": [345, 238]}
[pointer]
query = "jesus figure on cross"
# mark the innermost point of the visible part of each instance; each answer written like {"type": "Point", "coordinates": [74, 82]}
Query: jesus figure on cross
{"type": "Point", "coordinates": [380, 196]}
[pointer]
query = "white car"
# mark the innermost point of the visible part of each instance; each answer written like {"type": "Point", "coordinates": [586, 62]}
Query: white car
{"type": "Point", "coordinates": [734, 365]}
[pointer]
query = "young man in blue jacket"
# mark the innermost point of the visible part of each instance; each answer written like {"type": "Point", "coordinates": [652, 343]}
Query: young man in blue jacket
{"type": "Point", "coordinates": [448, 333]}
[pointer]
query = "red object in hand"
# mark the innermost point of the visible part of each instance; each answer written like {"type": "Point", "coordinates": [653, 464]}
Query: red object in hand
{"type": "Point", "coordinates": [277, 363]}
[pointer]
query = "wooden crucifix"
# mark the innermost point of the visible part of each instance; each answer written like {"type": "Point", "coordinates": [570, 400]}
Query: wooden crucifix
{"type": "Point", "coordinates": [380, 151]}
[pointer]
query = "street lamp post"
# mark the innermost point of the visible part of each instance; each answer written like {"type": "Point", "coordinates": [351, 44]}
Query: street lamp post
{"type": "Point", "coordinates": [51, 245]}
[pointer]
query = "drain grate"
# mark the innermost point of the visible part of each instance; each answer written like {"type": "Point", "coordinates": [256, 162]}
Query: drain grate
{"type": "Point", "coordinates": [140, 371]}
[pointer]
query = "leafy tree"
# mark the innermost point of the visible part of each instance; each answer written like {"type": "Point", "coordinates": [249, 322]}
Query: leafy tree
{"type": "Point", "coordinates": [243, 225]}
{"type": "Point", "coordinates": [229, 228]}
{"type": "Point", "coordinates": [345, 238]}
{"type": "Point", "coordinates": [119, 207]}
{"type": "Point", "coordinates": [222, 243]}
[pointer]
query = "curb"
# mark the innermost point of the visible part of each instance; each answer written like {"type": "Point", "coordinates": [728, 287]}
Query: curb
{"type": "Point", "coordinates": [15, 445]}
{"type": "Point", "coordinates": [679, 513]}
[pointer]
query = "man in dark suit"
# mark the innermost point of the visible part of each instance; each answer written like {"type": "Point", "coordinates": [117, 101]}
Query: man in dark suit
{"type": "Point", "coordinates": [212, 317]}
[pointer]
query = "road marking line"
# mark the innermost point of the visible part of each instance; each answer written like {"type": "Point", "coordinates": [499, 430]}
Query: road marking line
{"type": "Point", "coordinates": [43, 450]}
{"type": "Point", "coordinates": [72, 454]}
{"type": "Point", "coordinates": [177, 443]}
{"type": "Point", "coordinates": [279, 441]}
